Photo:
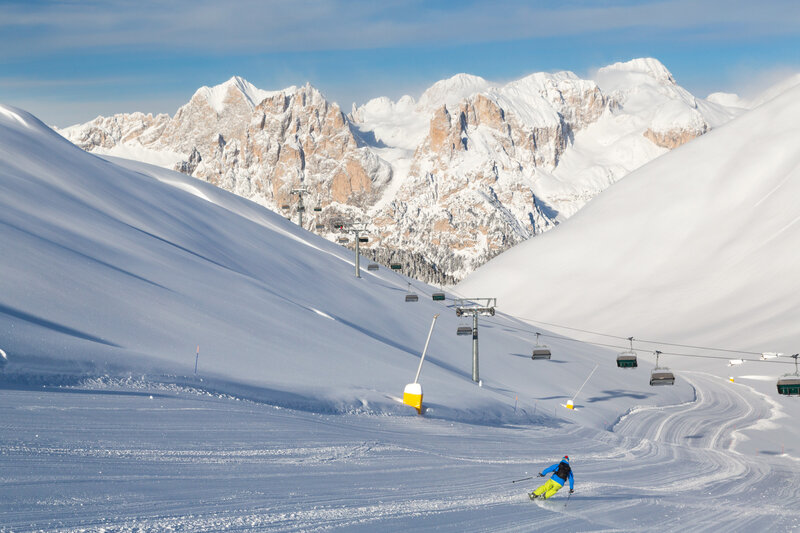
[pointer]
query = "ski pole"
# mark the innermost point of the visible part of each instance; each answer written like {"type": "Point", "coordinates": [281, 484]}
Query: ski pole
{"type": "Point", "coordinates": [568, 497]}
{"type": "Point", "coordinates": [523, 479]}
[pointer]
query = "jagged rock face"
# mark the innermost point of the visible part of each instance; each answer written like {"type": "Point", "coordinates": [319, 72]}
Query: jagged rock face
{"type": "Point", "coordinates": [675, 127]}
{"type": "Point", "coordinates": [445, 183]}
{"type": "Point", "coordinates": [291, 139]}
{"type": "Point", "coordinates": [673, 138]}
{"type": "Point", "coordinates": [107, 132]}
{"type": "Point", "coordinates": [469, 195]}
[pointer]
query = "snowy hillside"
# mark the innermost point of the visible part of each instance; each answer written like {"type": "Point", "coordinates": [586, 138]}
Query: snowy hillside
{"type": "Point", "coordinates": [698, 245]}
{"type": "Point", "coordinates": [112, 276]}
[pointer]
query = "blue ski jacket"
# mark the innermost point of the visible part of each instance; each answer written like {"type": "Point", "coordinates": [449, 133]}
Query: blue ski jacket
{"type": "Point", "coordinates": [557, 479]}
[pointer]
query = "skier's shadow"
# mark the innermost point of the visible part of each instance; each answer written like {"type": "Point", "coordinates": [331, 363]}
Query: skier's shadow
{"type": "Point", "coordinates": [605, 498]}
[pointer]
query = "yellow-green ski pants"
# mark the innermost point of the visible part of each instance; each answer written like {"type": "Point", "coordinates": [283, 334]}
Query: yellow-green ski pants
{"type": "Point", "coordinates": [549, 488]}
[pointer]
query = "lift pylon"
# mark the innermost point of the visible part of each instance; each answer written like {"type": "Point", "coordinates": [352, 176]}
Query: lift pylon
{"type": "Point", "coordinates": [474, 307]}
{"type": "Point", "coordinates": [300, 207]}
{"type": "Point", "coordinates": [356, 228]}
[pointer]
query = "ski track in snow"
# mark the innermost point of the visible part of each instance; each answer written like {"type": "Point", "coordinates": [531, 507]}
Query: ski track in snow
{"type": "Point", "coordinates": [191, 462]}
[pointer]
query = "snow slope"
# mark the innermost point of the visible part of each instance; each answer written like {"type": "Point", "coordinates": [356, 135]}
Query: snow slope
{"type": "Point", "coordinates": [133, 457]}
{"type": "Point", "coordinates": [111, 278]}
{"type": "Point", "coordinates": [699, 245]}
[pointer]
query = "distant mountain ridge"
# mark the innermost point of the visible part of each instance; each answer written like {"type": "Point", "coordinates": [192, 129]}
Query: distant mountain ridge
{"type": "Point", "coordinates": [446, 182]}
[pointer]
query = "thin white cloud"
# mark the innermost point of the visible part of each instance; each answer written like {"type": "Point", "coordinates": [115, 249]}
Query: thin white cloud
{"type": "Point", "coordinates": [307, 25]}
{"type": "Point", "coordinates": [15, 82]}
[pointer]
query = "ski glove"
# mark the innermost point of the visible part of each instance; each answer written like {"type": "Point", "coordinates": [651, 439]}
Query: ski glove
{"type": "Point", "coordinates": [541, 475]}
{"type": "Point", "coordinates": [571, 491]}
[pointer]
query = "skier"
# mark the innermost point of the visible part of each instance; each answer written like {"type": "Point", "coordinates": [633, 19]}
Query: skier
{"type": "Point", "coordinates": [562, 473]}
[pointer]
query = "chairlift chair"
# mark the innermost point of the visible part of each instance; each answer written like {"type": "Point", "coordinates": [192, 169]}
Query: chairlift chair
{"type": "Point", "coordinates": [463, 327]}
{"type": "Point", "coordinates": [395, 266]}
{"type": "Point", "coordinates": [789, 384]}
{"type": "Point", "coordinates": [317, 208]}
{"type": "Point", "coordinates": [661, 375]}
{"type": "Point", "coordinates": [411, 296]}
{"type": "Point", "coordinates": [540, 351]}
{"type": "Point", "coordinates": [627, 359]}
{"type": "Point", "coordinates": [319, 226]}
{"type": "Point", "coordinates": [363, 239]}
{"type": "Point", "coordinates": [343, 239]}
{"type": "Point", "coordinates": [437, 296]}
{"type": "Point", "coordinates": [285, 207]}
{"type": "Point", "coordinates": [373, 266]}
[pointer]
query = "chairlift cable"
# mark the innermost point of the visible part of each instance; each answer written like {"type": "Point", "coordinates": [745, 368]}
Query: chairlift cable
{"type": "Point", "coordinates": [628, 338]}
{"type": "Point", "coordinates": [698, 347]}
{"type": "Point", "coordinates": [662, 343]}
{"type": "Point", "coordinates": [573, 329]}
{"type": "Point", "coordinates": [617, 346]}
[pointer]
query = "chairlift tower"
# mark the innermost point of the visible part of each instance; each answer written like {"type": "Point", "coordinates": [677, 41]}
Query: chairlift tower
{"type": "Point", "coordinates": [475, 307]}
{"type": "Point", "coordinates": [300, 206]}
{"type": "Point", "coordinates": [356, 228]}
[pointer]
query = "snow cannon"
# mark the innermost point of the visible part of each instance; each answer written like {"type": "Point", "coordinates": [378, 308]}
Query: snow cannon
{"type": "Point", "coordinates": [3, 359]}
{"type": "Point", "coordinates": [412, 395]}
{"type": "Point", "coordinates": [570, 404]}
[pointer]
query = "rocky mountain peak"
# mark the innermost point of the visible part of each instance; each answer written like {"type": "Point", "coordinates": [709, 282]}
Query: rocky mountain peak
{"type": "Point", "coordinates": [445, 182]}
{"type": "Point", "coordinates": [236, 90]}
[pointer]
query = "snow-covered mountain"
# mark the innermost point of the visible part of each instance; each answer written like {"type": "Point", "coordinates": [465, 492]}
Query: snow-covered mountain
{"type": "Point", "coordinates": [445, 182]}
{"type": "Point", "coordinates": [699, 246]}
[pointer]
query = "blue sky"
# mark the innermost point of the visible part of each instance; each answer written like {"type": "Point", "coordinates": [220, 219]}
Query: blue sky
{"type": "Point", "coordinates": [68, 61]}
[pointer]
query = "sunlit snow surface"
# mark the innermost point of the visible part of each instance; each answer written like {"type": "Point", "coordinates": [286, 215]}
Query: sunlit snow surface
{"type": "Point", "coordinates": [133, 458]}
{"type": "Point", "coordinates": [111, 279]}
{"type": "Point", "coordinates": [699, 246]}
